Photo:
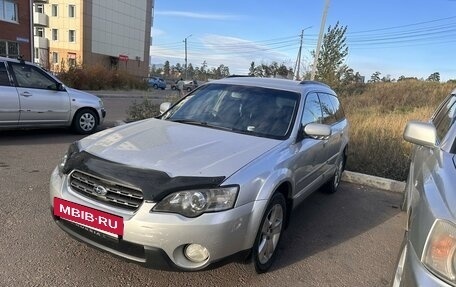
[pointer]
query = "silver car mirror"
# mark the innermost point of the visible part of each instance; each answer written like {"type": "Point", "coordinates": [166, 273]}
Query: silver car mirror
{"type": "Point", "coordinates": [420, 133]}
{"type": "Point", "coordinates": [164, 107]}
{"type": "Point", "coordinates": [317, 131]}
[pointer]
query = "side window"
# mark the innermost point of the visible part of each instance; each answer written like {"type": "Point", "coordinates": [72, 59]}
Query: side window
{"type": "Point", "coordinates": [312, 110]}
{"type": "Point", "coordinates": [327, 109]}
{"type": "Point", "coordinates": [338, 111]}
{"type": "Point", "coordinates": [31, 77]}
{"type": "Point", "coordinates": [445, 118]}
{"type": "Point", "coordinates": [4, 80]}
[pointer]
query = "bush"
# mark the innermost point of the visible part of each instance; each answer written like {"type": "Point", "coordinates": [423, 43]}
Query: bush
{"type": "Point", "coordinates": [147, 109]}
{"type": "Point", "coordinates": [100, 78]}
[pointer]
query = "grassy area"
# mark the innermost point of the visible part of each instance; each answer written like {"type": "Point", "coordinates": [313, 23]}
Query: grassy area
{"type": "Point", "coordinates": [378, 115]}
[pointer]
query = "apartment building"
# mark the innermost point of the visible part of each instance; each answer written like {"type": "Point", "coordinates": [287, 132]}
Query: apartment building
{"type": "Point", "coordinates": [111, 33]}
{"type": "Point", "coordinates": [15, 29]}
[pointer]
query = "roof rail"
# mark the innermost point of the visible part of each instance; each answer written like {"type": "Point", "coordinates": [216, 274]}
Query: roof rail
{"type": "Point", "coordinates": [306, 82]}
{"type": "Point", "coordinates": [239, 76]}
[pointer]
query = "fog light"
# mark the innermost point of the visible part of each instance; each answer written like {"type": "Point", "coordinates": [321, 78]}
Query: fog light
{"type": "Point", "coordinates": [196, 253]}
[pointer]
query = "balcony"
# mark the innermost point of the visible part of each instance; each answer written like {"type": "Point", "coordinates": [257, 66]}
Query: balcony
{"type": "Point", "coordinates": [40, 19]}
{"type": "Point", "coordinates": [41, 42]}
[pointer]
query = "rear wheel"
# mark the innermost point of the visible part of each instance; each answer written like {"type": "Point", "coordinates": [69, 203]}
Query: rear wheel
{"type": "Point", "coordinates": [85, 121]}
{"type": "Point", "coordinates": [155, 86]}
{"type": "Point", "coordinates": [269, 234]}
{"type": "Point", "coordinates": [333, 184]}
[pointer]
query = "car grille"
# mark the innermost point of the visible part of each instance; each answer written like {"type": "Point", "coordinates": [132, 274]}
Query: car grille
{"type": "Point", "coordinates": [106, 191]}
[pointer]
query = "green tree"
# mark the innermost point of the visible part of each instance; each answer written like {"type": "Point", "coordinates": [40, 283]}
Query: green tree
{"type": "Point", "coordinates": [434, 77]}
{"type": "Point", "coordinates": [375, 78]}
{"type": "Point", "coordinates": [252, 69]}
{"type": "Point", "coordinates": [332, 55]}
{"type": "Point", "coordinates": [166, 69]}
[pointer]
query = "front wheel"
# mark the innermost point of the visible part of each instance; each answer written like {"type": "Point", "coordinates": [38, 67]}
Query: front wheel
{"type": "Point", "coordinates": [85, 121]}
{"type": "Point", "coordinates": [269, 234]}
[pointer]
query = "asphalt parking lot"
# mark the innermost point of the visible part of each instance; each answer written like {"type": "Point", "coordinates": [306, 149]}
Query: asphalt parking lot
{"type": "Point", "coordinates": [350, 238]}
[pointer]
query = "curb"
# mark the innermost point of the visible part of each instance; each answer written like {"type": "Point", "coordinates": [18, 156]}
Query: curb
{"type": "Point", "coordinates": [374, 181]}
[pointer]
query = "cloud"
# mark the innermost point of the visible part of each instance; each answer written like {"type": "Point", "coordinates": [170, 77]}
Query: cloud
{"type": "Point", "coordinates": [236, 53]}
{"type": "Point", "coordinates": [207, 16]}
{"type": "Point", "coordinates": [154, 32]}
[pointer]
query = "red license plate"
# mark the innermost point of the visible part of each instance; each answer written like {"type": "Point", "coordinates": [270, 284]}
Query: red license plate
{"type": "Point", "coordinates": [88, 216]}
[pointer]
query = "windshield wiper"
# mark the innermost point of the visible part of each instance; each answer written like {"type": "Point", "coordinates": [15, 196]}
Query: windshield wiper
{"type": "Point", "coordinates": [191, 122]}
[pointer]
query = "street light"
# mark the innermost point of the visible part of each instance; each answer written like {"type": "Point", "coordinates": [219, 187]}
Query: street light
{"type": "Point", "coordinates": [185, 41]}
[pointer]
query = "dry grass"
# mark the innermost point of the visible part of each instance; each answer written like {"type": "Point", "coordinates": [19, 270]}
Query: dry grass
{"type": "Point", "coordinates": [377, 118]}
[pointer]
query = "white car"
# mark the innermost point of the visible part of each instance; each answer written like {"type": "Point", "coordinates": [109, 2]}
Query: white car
{"type": "Point", "coordinates": [216, 176]}
{"type": "Point", "coordinates": [31, 97]}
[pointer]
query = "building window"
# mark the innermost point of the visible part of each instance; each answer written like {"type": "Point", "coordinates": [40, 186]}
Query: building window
{"type": "Point", "coordinates": [9, 49]}
{"type": "Point", "coordinates": [72, 36]}
{"type": "Point", "coordinates": [8, 10]}
{"type": "Point", "coordinates": [71, 11]}
{"type": "Point", "coordinates": [55, 10]}
{"type": "Point", "coordinates": [55, 57]}
{"type": "Point", "coordinates": [71, 59]}
{"type": "Point", "coordinates": [39, 32]}
{"type": "Point", "coordinates": [37, 53]}
{"type": "Point", "coordinates": [55, 34]}
{"type": "Point", "coordinates": [39, 8]}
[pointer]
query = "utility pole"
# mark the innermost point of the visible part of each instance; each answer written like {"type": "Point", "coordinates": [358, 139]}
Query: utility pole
{"type": "Point", "coordinates": [320, 36]}
{"type": "Point", "coordinates": [185, 41]}
{"type": "Point", "coordinates": [298, 59]}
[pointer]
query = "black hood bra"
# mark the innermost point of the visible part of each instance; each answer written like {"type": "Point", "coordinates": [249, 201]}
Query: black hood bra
{"type": "Point", "coordinates": [154, 184]}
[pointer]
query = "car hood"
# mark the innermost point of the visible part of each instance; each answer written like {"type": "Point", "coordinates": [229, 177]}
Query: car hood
{"type": "Point", "coordinates": [177, 149]}
{"type": "Point", "coordinates": [80, 95]}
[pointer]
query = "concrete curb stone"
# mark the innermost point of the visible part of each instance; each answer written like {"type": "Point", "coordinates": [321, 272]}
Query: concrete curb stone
{"type": "Point", "coordinates": [374, 181]}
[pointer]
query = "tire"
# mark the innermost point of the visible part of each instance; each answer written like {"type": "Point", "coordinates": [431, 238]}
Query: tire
{"type": "Point", "coordinates": [173, 88]}
{"type": "Point", "coordinates": [189, 89]}
{"type": "Point", "coordinates": [155, 86]}
{"type": "Point", "coordinates": [269, 233]}
{"type": "Point", "coordinates": [333, 184]}
{"type": "Point", "coordinates": [85, 121]}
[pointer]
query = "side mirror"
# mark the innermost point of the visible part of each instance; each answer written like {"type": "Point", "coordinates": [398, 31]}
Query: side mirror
{"type": "Point", "coordinates": [164, 107]}
{"type": "Point", "coordinates": [420, 133]}
{"type": "Point", "coordinates": [60, 87]}
{"type": "Point", "coordinates": [317, 131]}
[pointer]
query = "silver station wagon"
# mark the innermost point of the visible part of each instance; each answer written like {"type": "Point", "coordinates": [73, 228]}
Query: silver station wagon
{"type": "Point", "coordinates": [31, 97]}
{"type": "Point", "coordinates": [428, 254]}
{"type": "Point", "coordinates": [216, 176]}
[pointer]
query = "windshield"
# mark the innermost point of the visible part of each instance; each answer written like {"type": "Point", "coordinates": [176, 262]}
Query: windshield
{"type": "Point", "coordinates": [242, 109]}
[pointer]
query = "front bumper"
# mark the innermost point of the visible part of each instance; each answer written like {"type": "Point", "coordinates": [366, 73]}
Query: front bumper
{"type": "Point", "coordinates": [414, 272]}
{"type": "Point", "coordinates": [157, 240]}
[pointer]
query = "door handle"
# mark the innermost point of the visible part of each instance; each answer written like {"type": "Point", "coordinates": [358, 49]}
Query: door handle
{"type": "Point", "coordinates": [26, 94]}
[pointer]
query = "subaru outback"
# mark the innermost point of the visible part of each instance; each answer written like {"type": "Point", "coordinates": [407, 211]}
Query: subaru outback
{"type": "Point", "coordinates": [216, 176]}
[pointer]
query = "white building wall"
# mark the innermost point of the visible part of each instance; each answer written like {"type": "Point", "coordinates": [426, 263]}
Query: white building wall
{"type": "Point", "coordinates": [119, 27]}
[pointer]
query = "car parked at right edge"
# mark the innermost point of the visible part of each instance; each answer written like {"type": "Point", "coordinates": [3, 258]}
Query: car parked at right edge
{"type": "Point", "coordinates": [428, 253]}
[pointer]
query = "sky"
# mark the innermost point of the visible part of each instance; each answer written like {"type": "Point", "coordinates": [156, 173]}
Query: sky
{"type": "Point", "coordinates": [411, 38]}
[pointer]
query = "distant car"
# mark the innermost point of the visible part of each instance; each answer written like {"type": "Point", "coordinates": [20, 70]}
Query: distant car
{"type": "Point", "coordinates": [216, 176]}
{"type": "Point", "coordinates": [188, 85]}
{"type": "Point", "coordinates": [32, 97]}
{"type": "Point", "coordinates": [428, 254]}
{"type": "Point", "coordinates": [156, 83]}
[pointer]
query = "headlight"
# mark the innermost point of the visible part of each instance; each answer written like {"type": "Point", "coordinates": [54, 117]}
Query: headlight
{"type": "Point", "coordinates": [193, 203]}
{"type": "Point", "coordinates": [72, 150]}
{"type": "Point", "coordinates": [440, 250]}
{"type": "Point", "coordinates": [100, 102]}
